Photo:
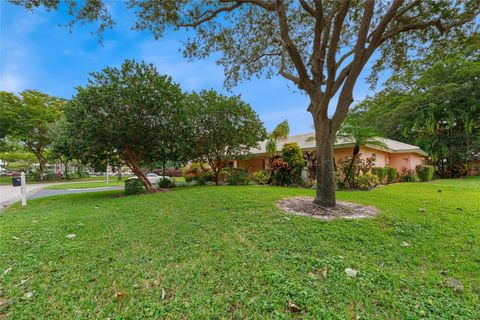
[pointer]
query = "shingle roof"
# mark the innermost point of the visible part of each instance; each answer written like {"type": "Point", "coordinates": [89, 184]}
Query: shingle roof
{"type": "Point", "coordinates": [306, 142]}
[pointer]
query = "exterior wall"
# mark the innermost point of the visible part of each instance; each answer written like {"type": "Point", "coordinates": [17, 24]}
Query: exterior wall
{"type": "Point", "coordinates": [409, 160]}
{"type": "Point", "coordinates": [381, 157]}
{"type": "Point", "coordinates": [397, 160]}
{"type": "Point", "coordinates": [252, 165]}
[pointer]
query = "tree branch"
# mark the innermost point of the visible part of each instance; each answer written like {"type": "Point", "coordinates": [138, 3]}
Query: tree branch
{"type": "Point", "coordinates": [291, 48]}
{"type": "Point", "coordinates": [212, 14]}
{"type": "Point", "coordinates": [308, 8]}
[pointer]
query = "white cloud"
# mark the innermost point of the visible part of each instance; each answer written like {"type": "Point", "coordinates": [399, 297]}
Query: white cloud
{"type": "Point", "coordinates": [12, 82]}
{"type": "Point", "coordinates": [195, 75]}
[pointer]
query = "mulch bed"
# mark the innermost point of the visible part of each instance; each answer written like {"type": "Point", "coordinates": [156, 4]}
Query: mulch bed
{"type": "Point", "coordinates": [304, 206]}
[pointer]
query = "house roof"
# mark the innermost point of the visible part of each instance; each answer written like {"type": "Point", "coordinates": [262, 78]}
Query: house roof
{"type": "Point", "coordinates": [306, 142]}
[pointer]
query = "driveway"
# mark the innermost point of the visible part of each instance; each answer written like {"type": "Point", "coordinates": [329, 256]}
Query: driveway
{"type": "Point", "coordinates": [10, 195]}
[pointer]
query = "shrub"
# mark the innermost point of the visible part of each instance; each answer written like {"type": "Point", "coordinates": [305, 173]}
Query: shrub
{"type": "Point", "coordinates": [367, 181]}
{"type": "Point", "coordinates": [407, 175]}
{"type": "Point", "coordinates": [381, 173]}
{"type": "Point", "coordinates": [425, 172]}
{"type": "Point", "coordinates": [50, 175]}
{"type": "Point", "coordinates": [71, 176]}
{"type": "Point", "coordinates": [133, 186]}
{"type": "Point", "coordinates": [198, 172]}
{"type": "Point", "coordinates": [237, 176]}
{"type": "Point", "coordinates": [392, 174]}
{"type": "Point", "coordinates": [260, 177]}
{"type": "Point", "coordinates": [83, 174]}
{"type": "Point", "coordinates": [360, 166]}
{"type": "Point", "coordinates": [166, 183]}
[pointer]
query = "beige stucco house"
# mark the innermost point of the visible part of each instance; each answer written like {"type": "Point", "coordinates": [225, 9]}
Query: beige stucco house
{"type": "Point", "coordinates": [397, 154]}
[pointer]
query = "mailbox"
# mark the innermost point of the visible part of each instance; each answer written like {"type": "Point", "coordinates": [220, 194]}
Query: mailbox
{"type": "Point", "coordinates": [16, 181]}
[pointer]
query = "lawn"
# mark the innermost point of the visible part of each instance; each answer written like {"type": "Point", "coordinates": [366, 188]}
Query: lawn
{"type": "Point", "coordinates": [228, 252]}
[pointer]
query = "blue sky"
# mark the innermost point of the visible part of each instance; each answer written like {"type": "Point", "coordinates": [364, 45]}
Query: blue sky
{"type": "Point", "coordinates": [38, 53]}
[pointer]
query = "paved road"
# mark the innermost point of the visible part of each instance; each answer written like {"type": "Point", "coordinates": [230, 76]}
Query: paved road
{"type": "Point", "coordinates": [55, 192]}
{"type": "Point", "coordinates": [9, 194]}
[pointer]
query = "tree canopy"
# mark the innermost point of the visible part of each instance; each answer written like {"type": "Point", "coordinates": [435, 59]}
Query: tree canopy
{"type": "Point", "coordinates": [28, 117]}
{"type": "Point", "coordinates": [438, 111]}
{"type": "Point", "coordinates": [225, 128]}
{"type": "Point", "coordinates": [131, 113]}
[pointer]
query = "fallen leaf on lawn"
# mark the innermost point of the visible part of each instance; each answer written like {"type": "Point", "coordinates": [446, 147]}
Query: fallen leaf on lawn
{"type": "Point", "coordinates": [163, 294]}
{"type": "Point", "coordinates": [71, 235]}
{"type": "Point", "coordinates": [119, 295]}
{"type": "Point", "coordinates": [351, 272]}
{"type": "Point", "coordinates": [324, 272]}
{"type": "Point", "coordinates": [34, 221]}
{"type": "Point", "coordinates": [7, 270]}
{"type": "Point", "coordinates": [16, 238]}
{"type": "Point", "coordinates": [456, 285]}
{"type": "Point", "coordinates": [287, 218]}
{"type": "Point", "coordinates": [22, 282]}
{"type": "Point", "coordinates": [156, 282]}
{"type": "Point", "coordinates": [28, 295]}
{"type": "Point", "coordinates": [405, 244]}
{"type": "Point", "coordinates": [3, 301]}
{"type": "Point", "coordinates": [422, 209]}
{"type": "Point", "coordinates": [292, 307]}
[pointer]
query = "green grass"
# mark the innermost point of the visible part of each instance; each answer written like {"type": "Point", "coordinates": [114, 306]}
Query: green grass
{"type": "Point", "coordinates": [228, 252]}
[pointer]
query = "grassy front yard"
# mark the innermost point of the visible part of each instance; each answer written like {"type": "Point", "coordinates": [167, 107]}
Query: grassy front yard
{"type": "Point", "coordinates": [228, 252]}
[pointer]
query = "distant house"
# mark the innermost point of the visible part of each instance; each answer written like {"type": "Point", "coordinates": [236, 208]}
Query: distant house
{"type": "Point", "coordinates": [397, 154]}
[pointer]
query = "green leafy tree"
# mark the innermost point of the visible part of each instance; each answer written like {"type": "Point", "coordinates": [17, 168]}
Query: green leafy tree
{"type": "Point", "coordinates": [225, 128]}
{"type": "Point", "coordinates": [438, 111]}
{"type": "Point", "coordinates": [361, 136]}
{"type": "Point", "coordinates": [30, 114]}
{"type": "Point", "coordinates": [132, 113]}
{"type": "Point", "coordinates": [321, 46]}
{"type": "Point", "coordinates": [16, 156]}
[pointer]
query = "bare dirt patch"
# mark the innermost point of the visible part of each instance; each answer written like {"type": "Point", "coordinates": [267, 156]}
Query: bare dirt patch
{"type": "Point", "coordinates": [304, 206]}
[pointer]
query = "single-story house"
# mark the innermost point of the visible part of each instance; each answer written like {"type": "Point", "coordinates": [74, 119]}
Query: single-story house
{"type": "Point", "coordinates": [397, 154]}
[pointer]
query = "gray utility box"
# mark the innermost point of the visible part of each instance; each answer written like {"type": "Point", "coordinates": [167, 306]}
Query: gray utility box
{"type": "Point", "coordinates": [16, 181]}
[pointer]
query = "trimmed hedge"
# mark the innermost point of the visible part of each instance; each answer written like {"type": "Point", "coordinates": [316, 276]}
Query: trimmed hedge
{"type": "Point", "coordinates": [166, 183]}
{"type": "Point", "coordinates": [392, 174]}
{"type": "Point", "coordinates": [134, 186]}
{"type": "Point", "coordinates": [425, 172]}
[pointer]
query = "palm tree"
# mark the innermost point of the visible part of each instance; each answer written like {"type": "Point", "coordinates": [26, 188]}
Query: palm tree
{"type": "Point", "coordinates": [361, 136]}
{"type": "Point", "coordinates": [281, 131]}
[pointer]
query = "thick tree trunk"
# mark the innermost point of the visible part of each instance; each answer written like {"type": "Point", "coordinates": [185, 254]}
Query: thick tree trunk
{"type": "Point", "coordinates": [132, 160]}
{"type": "Point", "coordinates": [326, 186]}
{"type": "Point", "coordinates": [119, 172]}
{"type": "Point", "coordinates": [42, 163]}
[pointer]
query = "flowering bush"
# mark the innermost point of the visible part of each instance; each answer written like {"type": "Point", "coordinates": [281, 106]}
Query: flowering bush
{"type": "Point", "coordinates": [198, 172]}
{"type": "Point", "coordinates": [367, 181]}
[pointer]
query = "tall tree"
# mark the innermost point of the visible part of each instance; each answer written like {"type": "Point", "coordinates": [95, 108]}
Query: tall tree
{"type": "Point", "coordinates": [225, 128]}
{"type": "Point", "coordinates": [320, 46]}
{"type": "Point", "coordinates": [30, 114]}
{"type": "Point", "coordinates": [132, 113]}
{"type": "Point", "coordinates": [439, 111]}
